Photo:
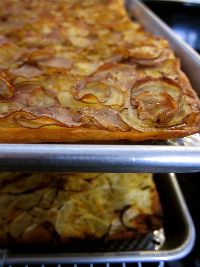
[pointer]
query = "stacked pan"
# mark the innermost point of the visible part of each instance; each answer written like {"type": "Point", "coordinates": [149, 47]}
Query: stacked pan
{"type": "Point", "coordinates": [176, 238]}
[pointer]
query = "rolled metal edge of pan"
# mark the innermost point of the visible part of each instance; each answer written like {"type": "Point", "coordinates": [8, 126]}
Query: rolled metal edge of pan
{"type": "Point", "coordinates": [186, 247]}
{"type": "Point", "coordinates": [99, 158]}
{"type": "Point", "coordinates": [190, 59]}
{"type": "Point", "coordinates": [131, 256]}
{"type": "Point", "coordinates": [181, 1]}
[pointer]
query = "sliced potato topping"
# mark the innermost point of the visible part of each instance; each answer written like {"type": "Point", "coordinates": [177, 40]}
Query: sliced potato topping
{"type": "Point", "coordinates": [155, 103]}
{"type": "Point", "coordinates": [85, 64]}
{"type": "Point", "coordinates": [57, 207]}
{"type": "Point", "coordinates": [40, 98]}
{"type": "Point", "coordinates": [94, 92]}
{"type": "Point", "coordinates": [156, 100]}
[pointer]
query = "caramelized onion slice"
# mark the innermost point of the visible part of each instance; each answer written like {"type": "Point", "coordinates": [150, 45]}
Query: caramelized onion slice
{"type": "Point", "coordinates": [104, 118]}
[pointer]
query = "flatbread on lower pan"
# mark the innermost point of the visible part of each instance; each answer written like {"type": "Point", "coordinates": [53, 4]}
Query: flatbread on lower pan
{"type": "Point", "coordinates": [56, 208]}
{"type": "Point", "coordinates": [83, 71]}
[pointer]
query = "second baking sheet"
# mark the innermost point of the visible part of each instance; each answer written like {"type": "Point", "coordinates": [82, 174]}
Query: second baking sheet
{"type": "Point", "coordinates": [178, 227]}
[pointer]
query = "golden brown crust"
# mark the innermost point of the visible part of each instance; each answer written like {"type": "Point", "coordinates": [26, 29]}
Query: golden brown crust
{"type": "Point", "coordinates": [55, 208]}
{"type": "Point", "coordinates": [70, 135]}
{"type": "Point", "coordinates": [78, 73]}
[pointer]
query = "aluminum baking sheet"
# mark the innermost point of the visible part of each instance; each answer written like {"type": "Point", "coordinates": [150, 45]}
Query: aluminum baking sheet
{"type": "Point", "coordinates": [178, 228]}
{"type": "Point", "coordinates": [181, 155]}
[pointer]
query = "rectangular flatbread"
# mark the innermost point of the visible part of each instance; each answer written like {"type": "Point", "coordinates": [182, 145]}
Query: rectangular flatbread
{"type": "Point", "coordinates": [56, 208]}
{"type": "Point", "coordinates": [74, 70]}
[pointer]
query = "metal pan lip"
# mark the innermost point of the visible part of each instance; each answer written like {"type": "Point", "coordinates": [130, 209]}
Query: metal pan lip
{"type": "Point", "coordinates": [99, 158]}
{"type": "Point", "coordinates": [177, 1]}
{"type": "Point", "coordinates": [113, 257]}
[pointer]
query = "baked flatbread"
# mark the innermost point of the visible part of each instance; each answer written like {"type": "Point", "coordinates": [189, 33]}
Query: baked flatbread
{"type": "Point", "coordinates": [48, 207]}
{"type": "Point", "coordinates": [75, 70]}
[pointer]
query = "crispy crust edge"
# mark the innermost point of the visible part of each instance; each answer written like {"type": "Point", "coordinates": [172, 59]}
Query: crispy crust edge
{"type": "Point", "coordinates": [69, 135]}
